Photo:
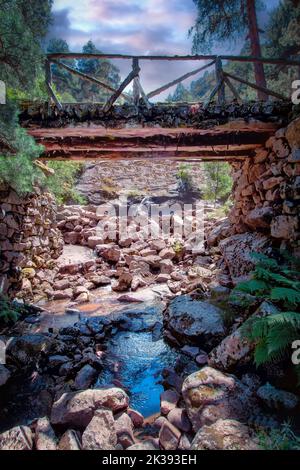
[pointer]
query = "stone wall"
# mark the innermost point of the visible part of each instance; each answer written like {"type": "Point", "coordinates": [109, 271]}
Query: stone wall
{"type": "Point", "coordinates": [101, 181]}
{"type": "Point", "coordinates": [29, 240]}
{"type": "Point", "coordinates": [267, 190]}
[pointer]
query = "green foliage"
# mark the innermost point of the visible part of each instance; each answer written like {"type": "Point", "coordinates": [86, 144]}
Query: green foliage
{"type": "Point", "coordinates": [178, 247]}
{"type": "Point", "coordinates": [70, 88]}
{"type": "Point", "coordinates": [279, 439]}
{"type": "Point", "coordinates": [216, 22]}
{"type": "Point", "coordinates": [18, 169]}
{"type": "Point", "coordinates": [184, 177]}
{"type": "Point", "coordinates": [23, 24]}
{"type": "Point", "coordinates": [278, 282]}
{"type": "Point", "coordinates": [62, 183]}
{"type": "Point", "coordinates": [181, 94]}
{"type": "Point", "coordinates": [8, 313]}
{"type": "Point", "coordinates": [218, 182]}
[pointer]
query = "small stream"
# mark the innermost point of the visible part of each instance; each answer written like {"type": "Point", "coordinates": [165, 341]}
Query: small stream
{"type": "Point", "coordinates": [136, 360]}
{"type": "Point", "coordinates": [136, 353]}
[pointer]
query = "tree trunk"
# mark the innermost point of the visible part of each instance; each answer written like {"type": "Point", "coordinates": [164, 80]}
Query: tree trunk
{"type": "Point", "coordinates": [256, 49]}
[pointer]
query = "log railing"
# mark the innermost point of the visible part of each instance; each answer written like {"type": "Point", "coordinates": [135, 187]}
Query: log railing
{"type": "Point", "coordinates": [223, 78]}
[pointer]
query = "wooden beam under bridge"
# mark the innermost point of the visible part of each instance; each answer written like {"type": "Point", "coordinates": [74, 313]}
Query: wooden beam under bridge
{"type": "Point", "coordinates": [56, 152]}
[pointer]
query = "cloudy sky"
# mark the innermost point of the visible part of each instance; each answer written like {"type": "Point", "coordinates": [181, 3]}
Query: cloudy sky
{"type": "Point", "coordinates": [134, 27]}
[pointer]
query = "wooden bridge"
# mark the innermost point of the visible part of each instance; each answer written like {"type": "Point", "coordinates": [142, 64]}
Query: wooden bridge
{"type": "Point", "coordinates": [132, 126]}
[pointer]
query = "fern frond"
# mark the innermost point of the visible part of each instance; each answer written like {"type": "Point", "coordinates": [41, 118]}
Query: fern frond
{"type": "Point", "coordinates": [261, 352]}
{"type": "Point", "coordinates": [253, 286]}
{"type": "Point", "coordinates": [285, 294]}
{"type": "Point", "coordinates": [282, 318]}
{"type": "Point", "coordinates": [265, 275]}
{"type": "Point", "coordinates": [265, 261]}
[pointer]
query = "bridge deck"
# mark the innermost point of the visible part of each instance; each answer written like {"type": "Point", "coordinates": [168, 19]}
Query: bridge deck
{"type": "Point", "coordinates": [220, 143]}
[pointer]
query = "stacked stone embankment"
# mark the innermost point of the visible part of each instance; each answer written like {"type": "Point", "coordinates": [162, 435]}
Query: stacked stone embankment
{"type": "Point", "coordinates": [29, 240]}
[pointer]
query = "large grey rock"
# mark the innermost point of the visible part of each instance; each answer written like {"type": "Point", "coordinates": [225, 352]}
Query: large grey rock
{"type": "Point", "coordinates": [17, 438]}
{"type": "Point", "coordinates": [100, 434]}
{"type": "Point", "coordinates": [195, 321]}
{"type": "Point", "coordinates": [236, 252]}
{"type": "Point", "coordinates": [77, 408]}
{"type": "Point", "coordinates": [210, 395]}
{"type": "Point", "coordinates": [85, 377]}
{"type": "Point", "coordinates": [45, 438]}
{"type": "Point", "coordinates": [277, 399]}
{"type": "Point", "coordinates": [236, 349]}
{"type": "Point", "coordinates": [218, 232]}
{"type": "Point", "coordinates": [259, 218]}
{"type": "Point", "coordinates": [224, 434]}
{"type": "Point", "coordinates": [4, 375]}
{"type": "Point", "coordinates": [27, 349]}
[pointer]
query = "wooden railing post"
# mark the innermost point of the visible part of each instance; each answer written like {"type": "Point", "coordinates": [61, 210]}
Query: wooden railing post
{"type": "Point", "coordinates": [48, 78]}
{"type": "Point", "coordinates": [136, 84]}
{"type": "Point", "coordinates": [220, 81]}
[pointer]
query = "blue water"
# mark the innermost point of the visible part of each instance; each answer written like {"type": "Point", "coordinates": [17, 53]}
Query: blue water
{"type": "Point", "coordinates": [137, 361]}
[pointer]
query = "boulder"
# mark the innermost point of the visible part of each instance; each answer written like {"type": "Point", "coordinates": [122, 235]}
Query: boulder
{"type": "Point", "coordinates": [224, 434]}
{"type": "Point", "coordinates": [259, 218]}
{"type": "Point", "coordinates": [4, 375]}
{"type": "Point", "coordinates": [277, 399]}
{"type": "Point", "coordinates": [284, 227]}
{"type": "Point", "coordinates": [195, 321]}
{"type": "Point", "coordinates": [236, 349]}
{"type": "Point", "coordinates": [136, 417]}
{"type": "Point", "coordinates": [157, 245]}
{"type": "Point", "coordinates": [210, 395]}
{"type": "Point", "coordinates": [293, 134]}
{"type": "Point", "coordinates": [17, 438]}
{"type": "Point", "coordinates": [94, 241]}
{"type": "Point", "coordinates": [169, 436]}
{"type": "Point", "coordinates": [153, 261]}
{"type": "Point", "coordinates": [76, 409]}
{"type": "Point", "coordinates": [236, 252]}
{"type": "Point", "coordinates": [220, 231]}
{"type": "Point", "coordinates": [100, 433]}
{"type": "Point", "coordinates": [178, 417]}
{"type": "Point", "coordinates": [166, 266]}
{"type": "Point", "coordinates": [85, 377]}
{"type": "Point", "coordinates": [123, 283]}
{"type": "Point", "coordinates": [168, 401]}
{"type": "Point", "coordinates": [69, 441]}
{"type": "Point", "coordinates": [62, 294]}
{"type": "Point", "coordinates": [124, 430]}
{"type": "Point", "coordinates": [167, 253]}
{"type": "Point", "coordinates": [163, 278]}
{"type": "Point", "coordinates": [45, 438]}
{"type": "Point", "coordinates": [111, 254]}
{"type": "Point", "coordinates": [27, 349]}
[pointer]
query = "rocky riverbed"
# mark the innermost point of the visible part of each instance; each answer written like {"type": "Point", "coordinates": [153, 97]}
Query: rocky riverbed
{"type": "Point", "coordinates": [148, 371]}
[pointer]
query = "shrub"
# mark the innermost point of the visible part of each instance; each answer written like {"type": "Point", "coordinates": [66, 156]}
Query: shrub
{"type": "Point", "coordinates": [8, 312]}
{"type": "Point", "coordinates": [279, 439]}
{"type": "Point", "coordinates": [278, 282]}
{"type": "Point", "coordinates": [62, 183]}
{"type": "Point", "coordinates": [185, 183]}
{"type": "Point", "coordinates": [218, 182]}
